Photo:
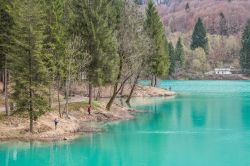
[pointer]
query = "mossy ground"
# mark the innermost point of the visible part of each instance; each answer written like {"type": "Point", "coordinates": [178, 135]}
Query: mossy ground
{"type": "Point", "coordinates": [78, 105]}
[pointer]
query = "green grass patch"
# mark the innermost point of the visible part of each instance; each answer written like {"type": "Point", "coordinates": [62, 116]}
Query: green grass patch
{"type": "Point", "coordinates": [77, 105]}
{"type": "Point", "coordinates": [2, 116]}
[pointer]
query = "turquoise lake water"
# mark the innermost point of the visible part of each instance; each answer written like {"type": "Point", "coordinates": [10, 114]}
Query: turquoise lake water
{"type": "Point", "coordinates": [207, 124]}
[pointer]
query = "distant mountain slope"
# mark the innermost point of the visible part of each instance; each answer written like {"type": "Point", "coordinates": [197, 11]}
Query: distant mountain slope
{"type": "Point", "coordinates": [180, 17]}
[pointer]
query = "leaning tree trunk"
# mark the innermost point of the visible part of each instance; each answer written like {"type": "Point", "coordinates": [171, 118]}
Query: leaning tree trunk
{"type": "Point", "coordinates": [108, 106]}
{"type": "Point", "coordinates": [116, 88]}
{"type": "Point", "coordinates": [133, 88]}
{"type": "Point", "coordinates": [115, 92]}
{"type": "Point", "coordinates": [111, 100]}
{"type": "Point", "coordinates": [122, 89]}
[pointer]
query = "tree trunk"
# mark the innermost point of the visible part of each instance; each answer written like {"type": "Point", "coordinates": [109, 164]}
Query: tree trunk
{"type": "Point", "coordinates": [155, 82]}
{"type": "Point", "coordinates": [67, 97]}
{"type": "Point", "coordinates": [30, 95]}
{"type": "Point", "coordinates": [111, 101]}
{"type": "Point", "coordinates": [94, 93]}
{"type": "Point", "coordinates": [122, 89]}
{"type": "Point", "coordinates": [4, 78]}
{"type": "Point", "coordinates": [98, 94]}
{"type": "Point", "coordinates": [6, 90]}
{"type": "Point", "coordinates": [50, 96]}
{"type": "Point", "coordinates": [152, 81]}
{"type": "Point", "coordinates": [31, 112]}
{"type": "Point", "coordinates": [1, 76]}
{"type": "Point", "coordinates": [58, 96]}
{"type": "Point", "coordinates": [133, 88]}
{"type": "Point", "coordinates": [116, 88]}
{"type": "Point", "coordinates": [90, 93]}
{"type": "Point", "coordinates": [108, 106]}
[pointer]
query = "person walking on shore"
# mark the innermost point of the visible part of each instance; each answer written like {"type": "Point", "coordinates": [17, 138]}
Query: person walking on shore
{"type": "Point", "coordinates": [56, 122]}
{"type": "Point", "coordinates": [89, 109]}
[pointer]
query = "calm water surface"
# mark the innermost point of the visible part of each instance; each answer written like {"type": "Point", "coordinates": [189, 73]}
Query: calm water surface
{"type": "Point", "coordinates": [207, 124]}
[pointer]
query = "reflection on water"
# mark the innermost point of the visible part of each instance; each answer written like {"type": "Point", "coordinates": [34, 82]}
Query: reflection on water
{"type": "Point", "coordinates": [245, 115]}
{"type": "Point", "coordinates": [192, 130]}
{"type": "Point", "coordinates": [199, 112]}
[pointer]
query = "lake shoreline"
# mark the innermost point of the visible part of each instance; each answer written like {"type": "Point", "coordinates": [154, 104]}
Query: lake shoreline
{"type": "Point", "coordinates": [211, 77]}
{"type": "Point", "coordinates": [78, 123]}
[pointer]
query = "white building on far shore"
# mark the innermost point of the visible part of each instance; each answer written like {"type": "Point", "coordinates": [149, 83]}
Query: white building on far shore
{"type": "Point", "coordinates": [222, 71]}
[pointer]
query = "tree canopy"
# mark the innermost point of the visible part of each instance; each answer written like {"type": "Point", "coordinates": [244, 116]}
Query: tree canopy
{"type": "Point", "coordinates": [199, 37]}
{"type": "Point", "coordinates": [179, 53]}
{"type": "Point", "coordinates": [28, 70]}
{"type": "Point", "coordinates": [245, 50]}
{"type": "Point", "coordinates": [159, 62]}
{"type": "Point", "coordinates": [172, 58]}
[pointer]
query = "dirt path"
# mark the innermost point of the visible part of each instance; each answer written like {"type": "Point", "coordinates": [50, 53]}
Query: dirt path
{"type": "Point", "coordinates": [2, 109]}
{"type": "Point", "coordinates": [72, 100]}
{"type": "Point", "coordinates": [140, 91]}
{"type": "Point", "coordinates": [77, 122]}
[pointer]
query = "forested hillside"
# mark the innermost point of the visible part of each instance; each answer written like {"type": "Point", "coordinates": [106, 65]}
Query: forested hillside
{"type": "Point", "coordinates": [224, 22]}
{"type": "Point", "coordinates": [181, 15]}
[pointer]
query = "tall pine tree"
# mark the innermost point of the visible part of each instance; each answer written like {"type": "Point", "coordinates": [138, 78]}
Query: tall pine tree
{"type": "Point", "coordinates": [54, 44]}
{"type": "Point", "coordinates": [245, 50]}
{"type": "Point", "coordinates": [223, 30]}
{"type": "Point", "coordinates": [29, 72]}
{"type": "Point", "coordinates": [199, 37]}
{"type": "Point", "coordinates": [159, 61]}
{"type": "Point", "coordinates": [6, 26]}
{"type": "Point", "coordinates": [179, 54]}
{"type": "Point", "coordinates": [172, 58]}
{"type": "Point", "coordinates": [92, 24]}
